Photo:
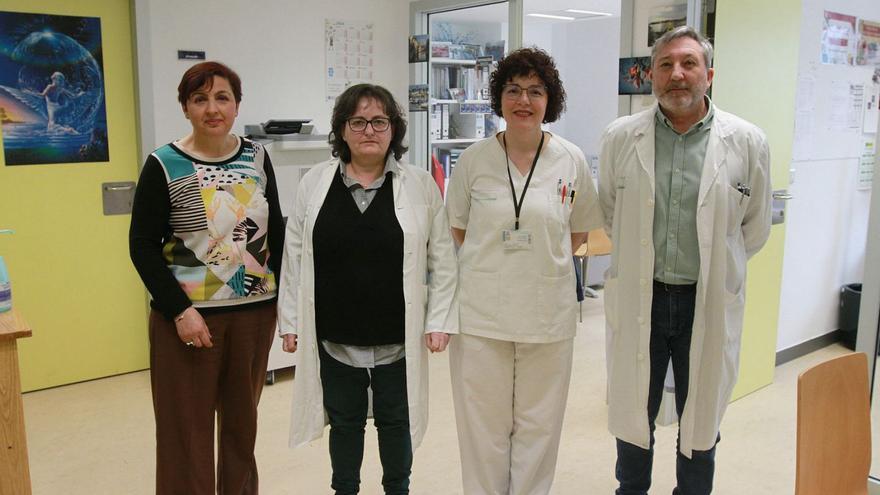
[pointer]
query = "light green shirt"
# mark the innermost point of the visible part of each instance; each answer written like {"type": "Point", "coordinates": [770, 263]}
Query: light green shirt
{"type": "Point", "coordinates": [678, 166]}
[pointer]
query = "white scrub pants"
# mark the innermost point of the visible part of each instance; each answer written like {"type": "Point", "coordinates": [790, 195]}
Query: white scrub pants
{"type": "Point", "coordinates": [509, 404]}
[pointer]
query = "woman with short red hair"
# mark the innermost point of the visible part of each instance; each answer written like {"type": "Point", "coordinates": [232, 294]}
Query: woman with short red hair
{"type": "Point", "coordinates": [206, 238]}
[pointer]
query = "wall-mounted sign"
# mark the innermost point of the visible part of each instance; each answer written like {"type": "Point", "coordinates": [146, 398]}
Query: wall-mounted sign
{"type": "Point", "coordinates": [190, 55]}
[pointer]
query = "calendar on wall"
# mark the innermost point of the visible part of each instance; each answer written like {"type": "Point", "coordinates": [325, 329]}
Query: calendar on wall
{"type": "Point", "coordinates": [349, 55]}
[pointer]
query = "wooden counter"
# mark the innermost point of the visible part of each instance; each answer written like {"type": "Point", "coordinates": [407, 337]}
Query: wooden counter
{"type": "Point", "coordinates": [15, 476]}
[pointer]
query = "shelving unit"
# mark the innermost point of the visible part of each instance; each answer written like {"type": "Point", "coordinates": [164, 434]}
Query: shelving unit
{"type": "Point", "coordinates": [459, 110]}
{"type": "Point", "coordinates": [464, 47]}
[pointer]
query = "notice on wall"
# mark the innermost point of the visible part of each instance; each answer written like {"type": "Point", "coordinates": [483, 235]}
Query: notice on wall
{"type": "Point", "coordinates": [847, 100]}
{"type": "Point", "coordinates": [856, 106]}
{"type": "Point", "coordinates": [838, 38]}
{"type": "Point", "coordinates": [868, 52]}
{"type": "Point", "coordinates": [867, 159]}
{"type": "Point", "coordinates": [348, 54]}
{"type": "Point", "coordinates": [872, 113]}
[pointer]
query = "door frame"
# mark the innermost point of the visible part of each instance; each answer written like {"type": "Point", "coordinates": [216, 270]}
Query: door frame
{"type": "Point", "coordinates": [869, 307]}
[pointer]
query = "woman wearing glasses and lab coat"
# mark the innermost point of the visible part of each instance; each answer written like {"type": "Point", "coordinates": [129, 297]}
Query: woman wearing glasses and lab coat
{"type": "Point", "coordinates": [519, 203]}
{"type": "Point", "coordinates": [371, 288]}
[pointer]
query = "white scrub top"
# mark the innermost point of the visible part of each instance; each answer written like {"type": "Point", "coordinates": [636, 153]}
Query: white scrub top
{"type": "Point", "coordinates": [525, 295]}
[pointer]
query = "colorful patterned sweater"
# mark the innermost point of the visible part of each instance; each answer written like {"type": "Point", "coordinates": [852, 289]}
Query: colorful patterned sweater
{"type": "Point", "coordinates": [207, 233]}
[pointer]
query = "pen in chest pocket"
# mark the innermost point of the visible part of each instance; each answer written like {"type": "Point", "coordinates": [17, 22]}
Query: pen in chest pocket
{"type": "Point", "coordinates": [744, 190]}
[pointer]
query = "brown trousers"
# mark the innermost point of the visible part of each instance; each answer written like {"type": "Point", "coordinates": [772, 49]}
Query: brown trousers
{"type": "Point", "coordinates": [190, 385]}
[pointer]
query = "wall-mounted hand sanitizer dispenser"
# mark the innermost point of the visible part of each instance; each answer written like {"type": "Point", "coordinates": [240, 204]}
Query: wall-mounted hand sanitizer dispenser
{"type": "Point", "coordinates": [5, 289]}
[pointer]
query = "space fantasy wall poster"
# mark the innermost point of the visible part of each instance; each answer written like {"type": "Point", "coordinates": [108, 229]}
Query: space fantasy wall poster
{"type": "Point", "coordinates": [52, 104]}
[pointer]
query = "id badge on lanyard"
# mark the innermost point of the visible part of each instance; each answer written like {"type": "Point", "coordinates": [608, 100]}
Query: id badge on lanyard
{"type": "Point", "coordinates": [516, 239]}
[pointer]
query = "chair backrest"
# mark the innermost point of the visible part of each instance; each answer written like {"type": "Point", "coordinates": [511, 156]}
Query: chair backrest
{"type": "Point", "coordinates": [597, 244]}
{"type": "Point", "coordinates": [834, 428]}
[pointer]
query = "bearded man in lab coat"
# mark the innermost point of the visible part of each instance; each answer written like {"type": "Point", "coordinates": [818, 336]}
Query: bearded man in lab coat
{"type": "Point", "coordinates": [685, 190]}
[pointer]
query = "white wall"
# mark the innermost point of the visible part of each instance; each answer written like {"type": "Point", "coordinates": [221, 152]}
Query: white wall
{"type": "Point", "coordinates": [276, 46]}
{"type": "Point", "coordinates": [539, 32]}
{"type": "Point", "coordinates": [588, 66]}
{"type": "Point", "coordinates": [828, 218]}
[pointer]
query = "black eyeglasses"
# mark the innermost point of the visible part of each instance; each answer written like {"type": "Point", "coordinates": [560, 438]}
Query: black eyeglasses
{"type": "Point", "coordinates": [515, 91]}
{"type": "Point", "coordinates": [379, 124]}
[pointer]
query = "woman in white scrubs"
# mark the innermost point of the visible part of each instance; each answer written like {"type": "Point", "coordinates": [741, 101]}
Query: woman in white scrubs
{"type": "Point", "coordinates": [519, 203]}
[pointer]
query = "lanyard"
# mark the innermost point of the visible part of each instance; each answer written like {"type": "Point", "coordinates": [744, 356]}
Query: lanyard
{"type": "Point", "coordinates": [517, 207]}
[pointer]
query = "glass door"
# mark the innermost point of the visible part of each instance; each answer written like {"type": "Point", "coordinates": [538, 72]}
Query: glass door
{"type": "Point", "coordinates": [465, 43]}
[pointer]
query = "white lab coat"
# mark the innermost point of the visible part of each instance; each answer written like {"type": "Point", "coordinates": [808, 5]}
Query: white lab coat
{"type": "Point", "coordinates": [430, 302]}
{"type": "Point", "coordinates": [730, 228]}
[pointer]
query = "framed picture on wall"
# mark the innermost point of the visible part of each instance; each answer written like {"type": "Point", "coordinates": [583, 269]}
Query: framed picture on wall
{"type": "Point", "coordinates": [52, 89]}
{"type": "Point", "coordinates": [665, 18]}
{"type": "Point", "coordinates": [633, 76]}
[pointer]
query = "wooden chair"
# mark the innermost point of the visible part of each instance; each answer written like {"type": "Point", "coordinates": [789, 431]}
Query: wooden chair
{"type": "Point", "coordinates": [598, 244]}
{"type": "Point", "coordinates": [834, 428]}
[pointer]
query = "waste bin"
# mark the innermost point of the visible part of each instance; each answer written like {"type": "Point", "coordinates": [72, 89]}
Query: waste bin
{"type": "Point", "coordinates": [848, 319]}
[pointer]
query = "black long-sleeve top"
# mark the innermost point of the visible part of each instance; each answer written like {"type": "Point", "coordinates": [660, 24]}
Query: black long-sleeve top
{"type": "Point", "coordinates": [207, 233]}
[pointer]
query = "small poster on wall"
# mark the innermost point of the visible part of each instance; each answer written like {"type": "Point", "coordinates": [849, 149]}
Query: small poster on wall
{"type": "Point", "coordinates": [418, 48]}
{"type": "Point", "coordinates": [869, 43]}
{"type": "Point", "coordinates": [633, 76]}
{"type": "Point", "coordinates": [52, 89]}
{"type": "Point", "coordinates": [838, 38]}
{"type": "Point", "coordinates": [418, 97]}
{"type": "Point", "coordinates": [349, 55]}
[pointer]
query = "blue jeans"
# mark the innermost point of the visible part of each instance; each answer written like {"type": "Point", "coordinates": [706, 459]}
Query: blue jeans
{"type": "Point", "coordinates": [672, 318]}
{"type": "Point", "coordinates": [345, 400]}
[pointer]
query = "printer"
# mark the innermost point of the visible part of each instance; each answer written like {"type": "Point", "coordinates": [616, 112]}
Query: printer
{"type": "Point", "coordinates": [282, 129]}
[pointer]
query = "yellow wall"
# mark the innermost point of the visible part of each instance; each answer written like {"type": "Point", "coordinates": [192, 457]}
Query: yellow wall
{"type": "Point", "coordinates": [71, 276]}
{"type": "Point", "coordinates": [756, 57]}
